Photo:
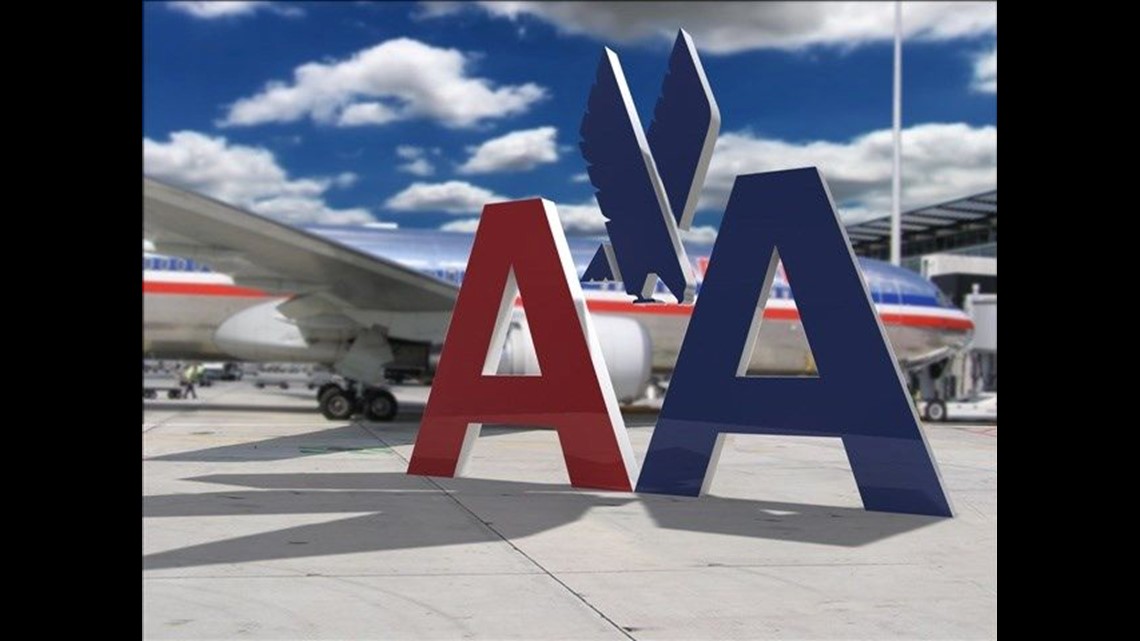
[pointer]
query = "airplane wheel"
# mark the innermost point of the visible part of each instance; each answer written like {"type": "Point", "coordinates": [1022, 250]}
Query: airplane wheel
{"type": "Point", "coordinates": [936, 411]}
{"type": "Point", "coordinates": [174, 394]}
{"type": "Point", "coordinates": [324, 388]}
{"type": "Point", "coordinates": [336, 405]}
{"type": "Point", "coordinates": [259, 385]}
{"type": "Point", "coordinates": [379, 405]}
{"type": "Point", "coordinates": [283, 385]}
{"type": "Point", "coordinates": [150, 394]}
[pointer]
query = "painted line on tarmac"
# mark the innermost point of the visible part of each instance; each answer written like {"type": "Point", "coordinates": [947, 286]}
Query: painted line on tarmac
{"type": "Point", "coordinates": [506, 540]}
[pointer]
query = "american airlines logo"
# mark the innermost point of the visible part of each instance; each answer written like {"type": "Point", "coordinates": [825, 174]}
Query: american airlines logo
{"type": "Point", "coordinates": [647, 187]}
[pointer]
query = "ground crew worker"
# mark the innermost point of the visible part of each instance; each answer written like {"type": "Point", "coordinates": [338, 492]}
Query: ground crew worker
{"type": "Point", "coordinates": [190, 377]}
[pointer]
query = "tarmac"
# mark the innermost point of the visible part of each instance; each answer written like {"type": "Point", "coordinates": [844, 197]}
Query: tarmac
{"type": "Point", "coordinates": [263, 520]}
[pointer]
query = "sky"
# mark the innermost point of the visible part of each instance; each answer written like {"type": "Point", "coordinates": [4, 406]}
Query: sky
{"type": "Point", "coordinates": [417, 114]}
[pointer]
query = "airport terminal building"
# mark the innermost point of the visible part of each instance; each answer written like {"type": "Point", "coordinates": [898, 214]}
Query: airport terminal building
{"type": "Point", "coordinates": [954, 244]}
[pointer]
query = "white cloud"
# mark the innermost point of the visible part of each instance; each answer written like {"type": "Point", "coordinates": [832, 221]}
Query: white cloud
{"type": "Point", "coordinates": [213, 10]}
{"type": "Point", "coordinates": [452, 197]}
{"type": "Point", "coordinates": [985, 72]}
{"type": "Point", "coordinates": [939, 162]}
{"type": "Point", "coordinates": [467, 225]}
{"type": "Point", "coordinates": [704, 234]}
{"type": "Point", "coordinates": [345, 179]}
{"type": "Point", "coordinates": [366, 113]}
{"type": "Point", "coordinates": [418, 167]}
{"type": "Point", "coordinates": [245, 176]}
{"type": "Point", "coordinates": [398, 79]}
{"type": "Point", "coordinates": [729, 27]}
{"type": "Point", "coordinates": [580, 178]}
{"type": "Point", "coordinates": [582, 218]}
{"type": "Point", "coordinates": [587, 218]}
{"type": "Point", "coordinates": [516, 151]}
{"type": "Point", "coordinates": [418, 164]}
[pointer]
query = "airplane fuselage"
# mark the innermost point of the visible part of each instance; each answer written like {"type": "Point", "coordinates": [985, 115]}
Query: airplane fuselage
{"type": "Point", "coordinates": [183, 303]}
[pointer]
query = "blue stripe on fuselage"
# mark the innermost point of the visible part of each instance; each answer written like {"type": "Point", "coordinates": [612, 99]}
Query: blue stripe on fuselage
{"type": "Point", "coordinates": [443, 255]}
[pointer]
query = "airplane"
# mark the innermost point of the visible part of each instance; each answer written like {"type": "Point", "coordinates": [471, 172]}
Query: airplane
{"type": "Point", "coordinates": [371, 300]}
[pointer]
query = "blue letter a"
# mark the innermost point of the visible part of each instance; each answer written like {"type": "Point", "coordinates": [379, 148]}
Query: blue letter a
{"type": "Point", "coordinates": [859, 394]}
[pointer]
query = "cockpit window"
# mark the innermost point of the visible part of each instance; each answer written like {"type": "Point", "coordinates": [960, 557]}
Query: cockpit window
{"type": "Point", "coordinates": [944, 300]}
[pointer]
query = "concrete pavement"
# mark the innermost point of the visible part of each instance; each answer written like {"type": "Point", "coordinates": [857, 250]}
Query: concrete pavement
{"type": "Point", "coordinates": [263, 520]}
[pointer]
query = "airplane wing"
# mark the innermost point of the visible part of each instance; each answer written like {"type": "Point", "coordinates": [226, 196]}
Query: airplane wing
{"type": "Point", "coordinates": [330, 283]}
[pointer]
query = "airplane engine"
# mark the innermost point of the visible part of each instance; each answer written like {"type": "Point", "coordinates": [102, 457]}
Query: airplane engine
{"type": "Point", "coordinates": [625, 344]}
{"type": "Point", "coordinates": [262, 333]}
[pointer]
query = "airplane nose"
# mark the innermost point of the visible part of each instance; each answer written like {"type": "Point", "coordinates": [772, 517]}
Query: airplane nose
{"type": "Point", "coordinates": [947, 333]}
{"type": "Point", "coordinates": [965, 331]}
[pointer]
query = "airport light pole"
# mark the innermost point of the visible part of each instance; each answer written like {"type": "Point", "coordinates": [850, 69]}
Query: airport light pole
{"type": "Point", "coordinates": [896, 179]}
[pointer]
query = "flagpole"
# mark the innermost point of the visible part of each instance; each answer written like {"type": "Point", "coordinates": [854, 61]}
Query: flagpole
{"type": "Point", "coordinates": [896, 179]}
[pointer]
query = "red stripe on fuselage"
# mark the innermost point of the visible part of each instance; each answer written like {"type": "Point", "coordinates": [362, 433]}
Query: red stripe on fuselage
{"type": "Point", "coordinates": [669, 309]}
{"type": "Point", "coordinates": [933, 322]}
{"type": "Point", "coordinates": [200, 289]}
{"type": "Point", "coordinates": [781, 313]}
{"type": "Point", "coordinates": [594, 305]}
{"type": "Point", "coordinates": [623, 307]}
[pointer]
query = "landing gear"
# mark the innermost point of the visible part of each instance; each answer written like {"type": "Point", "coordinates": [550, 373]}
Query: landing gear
{"type": "Point", "coordinates": [936, 411]}
{"type": "Point", "coordinates": [324, 388]}
{"type": "Point", "coordinates": [340, 404]}
{"type": "Point", "coordinates": [379, 405]}
{"type": "Point", "coordinates": [337, 404]}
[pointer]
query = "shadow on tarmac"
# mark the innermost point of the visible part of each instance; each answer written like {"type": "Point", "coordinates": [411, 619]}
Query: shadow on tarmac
{"type": "Point", "coordinates": [415, 512]}
{"type": "Point", "coordinates": [408, 410]}
{"type": "Point", "coordinates": [345, 437]}
{"type": "Point", "coordinates": [214, 406]}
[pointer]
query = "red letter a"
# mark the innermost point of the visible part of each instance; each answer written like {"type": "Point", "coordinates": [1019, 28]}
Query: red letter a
{"type": "Point", "coordinates": [523, 241]}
